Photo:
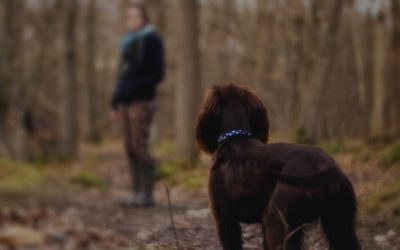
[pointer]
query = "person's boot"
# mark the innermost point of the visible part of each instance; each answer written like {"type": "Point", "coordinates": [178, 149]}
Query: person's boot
{"type": "Point", "coordinates": [136, 172]}
{"type": "Point", "coordinates": [146, 198]}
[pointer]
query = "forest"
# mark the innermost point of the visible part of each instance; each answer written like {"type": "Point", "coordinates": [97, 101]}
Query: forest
{"type": "Point", "coordinates": [327, 71]}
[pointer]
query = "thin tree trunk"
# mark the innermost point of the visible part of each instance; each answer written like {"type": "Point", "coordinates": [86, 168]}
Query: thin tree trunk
{"type": "Point", "coordinates": [189, 78]}
{"type": "Point", "coordinates": [261, 43]}
{"type": "Point", "coordinates": [394, 107]}
{"type": "Point", "coordinates": [161, 128]}
{"type": "Point", "coordinates": [11, 78]}
{"type": "Point", "coordinates": [322, 76]}
{"type": "Point", "coordinates": [70, 123]}
{"type": "Point", "coordinates": [94, 130]}
{"type": "Point", "coordinates": [378, 93]}
{"type": "Point", "coordinates": [358, 54]}
{"type": "Point", "coordinates": [157, 13]}
{"type": "Point", "coordinates": [224, 57]}
{"type": "Point", "coordinates": [6, 60]}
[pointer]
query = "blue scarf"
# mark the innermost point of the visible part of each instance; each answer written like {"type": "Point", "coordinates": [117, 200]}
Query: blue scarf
{"type": "Point", "coordinates": [133, 36]}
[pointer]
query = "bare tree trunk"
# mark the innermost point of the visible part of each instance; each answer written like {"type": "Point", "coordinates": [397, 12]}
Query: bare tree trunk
{"type": "Point", "coordinates": [70, 112]}
{"type": "Point", "coordinates": [6, 56]}
{"type": "Point", "coordinates": [224, 57]}
{"type": "Point", "coordinates": [378, 93]}
{"type": "Point", "coordinates": [122, 7]}
{"type": "Point", "coordinates": [94, 130]}
{"type": "Point", "coordinates": [296, 69]}
{"type": "Point", "coordinates": [189, 78]}
{"type": "Point", "coordinates": [394, 108]}
{"type": "Point", "coordinates": [11, 133]}
{"type": "Point", "coordinates": [161, 128]}
{"type": "Point", "coordinates": [322, 76]}
{"type": "Point", "coordinates": [261, 43]}
{"type": "Point", "coordinates": [157, 13]}
{"type": "Point", "coordinates": [358, 54]}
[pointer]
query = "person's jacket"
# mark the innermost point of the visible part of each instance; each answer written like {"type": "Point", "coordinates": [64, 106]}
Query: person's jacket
{"type": "Point", "coordinates": [140, 70]}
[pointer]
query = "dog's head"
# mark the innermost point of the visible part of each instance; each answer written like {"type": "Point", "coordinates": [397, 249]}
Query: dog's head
{"type": "Point", "coordinates": [230, 107]}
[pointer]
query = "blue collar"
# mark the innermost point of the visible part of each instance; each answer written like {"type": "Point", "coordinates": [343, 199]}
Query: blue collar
{"type": "Point", "coordinates": [232, 133]}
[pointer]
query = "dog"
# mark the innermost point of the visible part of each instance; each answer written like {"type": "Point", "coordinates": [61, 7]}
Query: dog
{"type": "Point", "coordinates": [284, 187]}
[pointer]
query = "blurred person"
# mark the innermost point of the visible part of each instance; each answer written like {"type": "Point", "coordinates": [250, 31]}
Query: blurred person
{"type": "Point", "coordinates": [133, 100]}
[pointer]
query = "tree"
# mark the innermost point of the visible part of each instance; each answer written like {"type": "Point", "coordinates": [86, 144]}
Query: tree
{"type": "Point", "coordinates": [378, 93]}
{"type": "Point", "coordinates": [6, 62]}
{"type": "Point", "coordinates": [91, 18]}
{"type": "Point", "coordinates": [69, 123]}
{"type": "Point", "coordinates": [394, 107]}
{"type": "Point", "coordinates": [188, 84]}
{"type": "Point", "coordinates": [11, 133]}
{"type": "Point", "coordinates": [312, 112]}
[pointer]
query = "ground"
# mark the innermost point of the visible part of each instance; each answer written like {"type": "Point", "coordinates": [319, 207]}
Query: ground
{"type": "Point", "coordinates": [87, 214]}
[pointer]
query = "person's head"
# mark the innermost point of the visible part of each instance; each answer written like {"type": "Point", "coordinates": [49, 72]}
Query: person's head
{"type": "Point", "coordinates": [136, 16]}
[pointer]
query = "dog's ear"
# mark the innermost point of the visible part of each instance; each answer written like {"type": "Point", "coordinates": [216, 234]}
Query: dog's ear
{"type": "Point", "coordinates": [208, 121]}
{"type": "Point", "coordinates": [258, 116]}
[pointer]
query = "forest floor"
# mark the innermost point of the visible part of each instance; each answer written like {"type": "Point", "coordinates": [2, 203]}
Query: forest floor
{"type": "Point", "coordinates": [76, 206]}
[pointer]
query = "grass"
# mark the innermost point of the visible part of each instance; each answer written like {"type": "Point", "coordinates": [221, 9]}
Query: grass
{"type": "Point", "coordinates": [88, 180]}
{"type": "Point", "coordinates": [20, 176]}
{"type": "Point", "coordinates": [38, 176]}
{"type": "Point", "coordinates": [391, 156]}
{"type": "Point", "coordinates": [378, 188]}
{"type": "Point", "coordinates": [179, 174]}
{"type": "Point", "coordinates": [187, 175]}
{"type": "Point", "coordinates": [384, 202]}
{"type": "Point", "coordinates": [334, 147]}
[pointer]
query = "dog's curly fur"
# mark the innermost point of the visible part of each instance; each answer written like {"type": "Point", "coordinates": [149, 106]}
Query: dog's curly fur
{"type": "Point", "coordinates": [284, 187]}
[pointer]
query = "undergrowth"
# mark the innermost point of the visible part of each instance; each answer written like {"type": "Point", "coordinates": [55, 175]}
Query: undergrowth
{"type": "Point", "coordinates": [16, 176]}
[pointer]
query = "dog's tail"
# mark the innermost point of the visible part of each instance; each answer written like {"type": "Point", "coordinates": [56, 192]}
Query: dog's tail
{"type": "Point", "coordinates": [318, 178]}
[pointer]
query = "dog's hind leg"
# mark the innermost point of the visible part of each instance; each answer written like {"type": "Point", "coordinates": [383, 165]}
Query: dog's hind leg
{"type": "Point", "coordinates": [340, 233]}
{"type": "Point", "coordinates": [280, 236]}
{"type": "Point", "coordinates": [283, 221]}
{"type": "Point", "coordinates": [338, 224]}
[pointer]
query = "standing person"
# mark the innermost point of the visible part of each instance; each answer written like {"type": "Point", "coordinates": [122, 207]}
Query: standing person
{"type": "Point", "coordinates": [133, 100]}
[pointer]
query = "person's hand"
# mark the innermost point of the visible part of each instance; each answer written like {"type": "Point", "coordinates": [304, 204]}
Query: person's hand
{"type": "Point", "coordinates": [114, 116]}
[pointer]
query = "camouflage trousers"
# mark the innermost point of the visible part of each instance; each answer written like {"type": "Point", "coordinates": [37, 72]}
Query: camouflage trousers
{"type": "Point", "coordinates": [137, 119]}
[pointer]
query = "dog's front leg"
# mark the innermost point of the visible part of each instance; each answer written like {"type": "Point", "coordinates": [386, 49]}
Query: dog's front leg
{"type": "Point", "coordinates": [228, 226]}
{"type": "Point", "coordinates": [230, 233]}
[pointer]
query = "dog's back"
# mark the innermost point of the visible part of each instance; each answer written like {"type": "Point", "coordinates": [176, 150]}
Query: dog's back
{"type": "Point", "coordinates": [247, 169]}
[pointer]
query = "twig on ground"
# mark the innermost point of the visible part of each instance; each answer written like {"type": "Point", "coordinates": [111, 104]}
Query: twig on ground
{"type": "Point", "coordinates": [288, 233]}
{"type": "Point", "coordinates": [171, 216]}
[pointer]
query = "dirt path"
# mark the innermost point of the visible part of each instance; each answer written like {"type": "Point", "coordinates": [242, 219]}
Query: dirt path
{"type": "Point", "coordinates": [94, 220]}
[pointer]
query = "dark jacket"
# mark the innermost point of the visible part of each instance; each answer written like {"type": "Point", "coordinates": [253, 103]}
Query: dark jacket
{"type": "Point", "coordinates": [140, 70]}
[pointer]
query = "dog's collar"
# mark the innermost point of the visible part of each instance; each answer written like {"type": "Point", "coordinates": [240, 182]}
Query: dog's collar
{"type": "Point", "coordinates": [232, 133]}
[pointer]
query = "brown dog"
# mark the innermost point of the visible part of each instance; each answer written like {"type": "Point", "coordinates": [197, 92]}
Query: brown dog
{"type": "Point", "coordinates": [285, 187]}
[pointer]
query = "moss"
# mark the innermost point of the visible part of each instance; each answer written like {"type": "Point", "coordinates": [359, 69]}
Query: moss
{"type": "Point", "coordinates": [88, 180]}
{"type": "Point", "coordinates": [391, 157]}
{"type": "Point", "coordinates": [16, 176]}
{"type": "Point", "coordinates": [169, 171]}
{"type": "Point", "coordinates": [373, 209]}
{"type": "Point", "coordinates": [179, 174]}
{"type": "Point", "coordinates": [384, 202]}
{"type": "Point", "coordinates": [195, 182]}
{"type": "Point", "coordinates": [300, 136]}
{"type": "Point", "coordinates": [396, 211]}
{"type": "Point", "coordinates": [389, 195]}
{"type": "Point", "coordinates": [165, 149]}
{"type": "Point", "coordinates": [333, 147]}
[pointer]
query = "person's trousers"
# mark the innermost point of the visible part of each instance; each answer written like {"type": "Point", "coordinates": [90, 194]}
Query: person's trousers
{"type": "Point", "coordinates": [137, 120]}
